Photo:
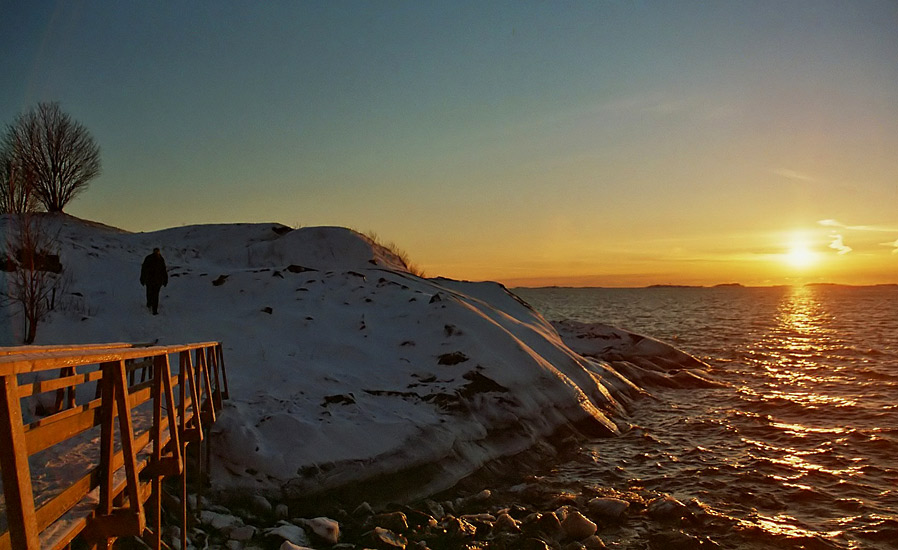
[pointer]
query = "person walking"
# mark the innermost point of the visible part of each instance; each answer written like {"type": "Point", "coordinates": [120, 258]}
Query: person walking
{"type": "Point", "coordinates": [153, 275]}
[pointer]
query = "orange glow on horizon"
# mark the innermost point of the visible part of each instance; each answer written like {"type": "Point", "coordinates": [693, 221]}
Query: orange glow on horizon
{"type": "Point", "coordinates": [771, 258]}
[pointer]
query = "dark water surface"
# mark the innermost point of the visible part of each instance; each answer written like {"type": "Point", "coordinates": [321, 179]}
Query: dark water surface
{"type": "Point", "coordinates": [801, 448]}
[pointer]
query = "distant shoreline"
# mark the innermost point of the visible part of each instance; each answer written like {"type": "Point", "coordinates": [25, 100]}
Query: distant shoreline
{"type": "Point", "coordinates": [720, 285]}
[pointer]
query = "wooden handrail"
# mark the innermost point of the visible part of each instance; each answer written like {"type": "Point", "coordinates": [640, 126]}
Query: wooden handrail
{"type": "Point", "coordinates": [32, 361]}
{"type": "Point", "coordinates": [126, 482]}
{"type": "Point", "coordinates": [18, 350]}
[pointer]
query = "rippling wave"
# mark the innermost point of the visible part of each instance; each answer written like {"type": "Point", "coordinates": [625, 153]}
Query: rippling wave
{"type": "Point", "coordinates": [801, 451]}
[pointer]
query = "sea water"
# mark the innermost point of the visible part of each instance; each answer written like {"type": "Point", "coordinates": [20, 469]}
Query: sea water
{"type": "Point", "coordinates": [800, 448]}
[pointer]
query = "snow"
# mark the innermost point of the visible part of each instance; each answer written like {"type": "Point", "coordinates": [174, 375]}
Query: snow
{"type": "Point", "coordinates": [343, 366]}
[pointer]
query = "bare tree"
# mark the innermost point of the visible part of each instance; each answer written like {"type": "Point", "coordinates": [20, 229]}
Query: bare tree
{"type": "Point", "coordinates": [57, 152]}
{"type": "Point", "coordinates": [15, 186]}
{"type": "Point", "coordinates": [36, 276]}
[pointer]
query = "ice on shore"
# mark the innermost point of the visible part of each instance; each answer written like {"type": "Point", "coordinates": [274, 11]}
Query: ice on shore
{"type": "Point", "coordinates": [343, 366]}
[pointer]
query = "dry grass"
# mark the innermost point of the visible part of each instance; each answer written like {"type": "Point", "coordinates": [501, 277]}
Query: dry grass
{"type": "Point", "coordinates": [398, 252]}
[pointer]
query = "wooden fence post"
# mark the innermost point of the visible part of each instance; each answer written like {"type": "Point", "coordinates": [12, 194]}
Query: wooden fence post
{"type": "Point", "coordinates": [155, 528]}
{"type": "Point", "coordinates": [107, 445]}
{"type": "Point", "coordinates": [126, 432]}
{"type": "Point", "coordinates": [224, 373]}
{"type": "Point", "coordinates": [17, 488]}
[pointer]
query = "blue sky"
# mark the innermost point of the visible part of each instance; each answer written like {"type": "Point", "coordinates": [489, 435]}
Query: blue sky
{"type": "Point", "coordinates": [578, 142]}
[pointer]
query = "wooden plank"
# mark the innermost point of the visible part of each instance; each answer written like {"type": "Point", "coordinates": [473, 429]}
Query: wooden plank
{"type": "Point", "coordinates": [16, 473]}
{"type": "Point", "coordinates": [66, 500]}
{"type": "Point", "coordinates": [53, 430]}
{"type": "Point", "coordinates": [140, 394]}
{"type": "Point", "coordinates": [45, 436]}
{"type": "Point", "coordinates": [41, 386]}
{"type": "Point", "coordinates": [94, 404]}
{"type": "Point", "coordinates": [62, 539]}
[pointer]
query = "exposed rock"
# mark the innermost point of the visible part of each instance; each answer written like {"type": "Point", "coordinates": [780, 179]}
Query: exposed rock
{"type": "Point", "coordinates": [363, 510]}
{"type": "Point", "coordinates": [242, 533]}
{"type": "Point", "coordinates": [542, 524]}
{"type": "Point", "coordinates": [289, 532]}
{"type": "Point", "coordinates": [384, 539]}
{"type": "Point", "coordinates": [219, 521]}
{"type": "Point", "coordinates": [534, 544]}
{"type": "Point", "coordinates": [608, 508]}
{"type": "Point", "coordinates": [667, 508]}
{"type": "Point", "coordinates": [39, 261]}
{"type": "Point", "coordinates": [326, 529]}
{"type": "Point", "coordinates": [478, 383]}
{"type": "Point", "coordinates": [435, 508]}
{"type": "Point", "coordinates": [696, 379]}
{"type": "Point", "coordinates": [477, 498]}
{"type": "Point", "coordinates": [260, 505]}
{"type": "Point", "coordinates": [394, 521]}
{"type": "Point", "coordinates": [419, 520]}
{"type": "Point", "coordinates": [453, 358]}
{"type": "Point", "coordinates": [594, 543]}
{"type": "Point", "coordinates": [577, 527]}
{"type": "Point", "coordinates": [506, 524]}
{"type": "Point", "coordinates": [460, 529]}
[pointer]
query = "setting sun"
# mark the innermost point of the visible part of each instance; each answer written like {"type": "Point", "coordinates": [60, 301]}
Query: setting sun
{"type": "Point", "coordinates": [800, 256]}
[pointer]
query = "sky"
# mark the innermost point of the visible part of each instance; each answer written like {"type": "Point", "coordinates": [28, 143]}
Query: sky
{"type": "Point", "coordinates": [601, 143]}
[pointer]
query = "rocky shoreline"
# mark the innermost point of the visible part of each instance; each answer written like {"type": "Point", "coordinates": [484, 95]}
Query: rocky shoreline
{"type": "Point", "coordinates": [531, 515]}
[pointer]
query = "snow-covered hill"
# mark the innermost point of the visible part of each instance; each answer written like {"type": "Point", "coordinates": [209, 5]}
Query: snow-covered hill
{"type": "Point", "coordinates": [343, 366]}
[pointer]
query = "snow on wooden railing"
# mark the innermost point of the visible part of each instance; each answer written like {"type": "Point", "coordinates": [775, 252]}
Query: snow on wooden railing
{"type": "Point", "coordinates": [109, 500]}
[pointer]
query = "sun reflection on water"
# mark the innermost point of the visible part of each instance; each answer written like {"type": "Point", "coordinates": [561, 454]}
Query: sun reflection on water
{"type": "Point", "coordinates": [799, 451]}
{"type": "Point", "coordinates": [797, 344]}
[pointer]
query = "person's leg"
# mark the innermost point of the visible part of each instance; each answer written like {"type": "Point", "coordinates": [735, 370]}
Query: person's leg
{"type": "Point", "coordinates": [149, 296]}
{"type": "Point", "coordinates": [154, 298]}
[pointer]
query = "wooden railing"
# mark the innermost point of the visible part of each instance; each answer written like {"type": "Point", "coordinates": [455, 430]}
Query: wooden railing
{"type": "Point", "coordinates": [156, 417]}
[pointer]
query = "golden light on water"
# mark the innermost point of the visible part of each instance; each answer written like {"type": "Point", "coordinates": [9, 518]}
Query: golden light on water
{"type": "Point", "coordinates": [787, 526]}
{"type": "Point", "coordinates": [798, 342]}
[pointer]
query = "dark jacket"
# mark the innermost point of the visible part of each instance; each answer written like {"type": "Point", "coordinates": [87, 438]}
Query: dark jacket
{"type": "Point", "coordinates": [153, 271]}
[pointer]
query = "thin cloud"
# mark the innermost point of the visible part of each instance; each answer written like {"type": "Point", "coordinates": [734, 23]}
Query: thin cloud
{"type": "Point", "coordinates": [840, 225]}
{"type": "Point", "coordinates": [838, 244]}
{"type": "Point", "coordinates": [794, 175]}
{"type": "Point", "coordinates": [894, 246]}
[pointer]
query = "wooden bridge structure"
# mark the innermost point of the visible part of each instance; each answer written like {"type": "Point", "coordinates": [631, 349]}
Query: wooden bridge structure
{"type": "Point", "coordinates": [125, 408]}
